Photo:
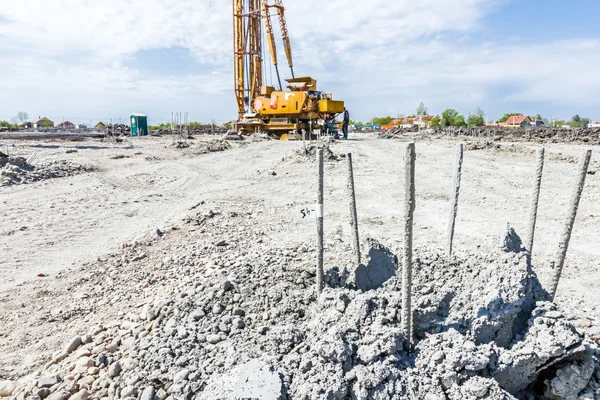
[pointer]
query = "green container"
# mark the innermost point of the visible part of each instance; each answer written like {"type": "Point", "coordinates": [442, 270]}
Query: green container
{"type": "Point", "coordinates": [139, 125]}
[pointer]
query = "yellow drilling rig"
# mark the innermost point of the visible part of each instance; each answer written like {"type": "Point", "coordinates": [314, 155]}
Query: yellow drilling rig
{"type": "Point", "coordinates": [283, 114]}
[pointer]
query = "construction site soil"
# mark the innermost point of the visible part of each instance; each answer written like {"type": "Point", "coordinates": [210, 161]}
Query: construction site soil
{"type": "Point", "coordinates": [169, 271]}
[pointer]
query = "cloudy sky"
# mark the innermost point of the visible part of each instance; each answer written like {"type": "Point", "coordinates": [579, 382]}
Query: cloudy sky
{"type": "Point", "coordinates": [94, 60]}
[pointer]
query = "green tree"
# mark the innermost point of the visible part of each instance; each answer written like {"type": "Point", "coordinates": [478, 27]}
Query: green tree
{"type": "Point", "coordinates": [435, 122]}
{"type": "Point", "coordinates": [422, 110]}
{"type": "Point", "coordinates": [459, 121]}
{"type": "Point", "coordinates": [578, 122]}
{"type": "Point", "coordinates": [448, 117]}
{"type": "Point", "coordinates": [507, 116]}
{"type": "Point", "coordinates": [4, 124]}
{"type": "Point", "coordinates": [476, 118]}
{"type": "Point", "coordinates": [382, 120]}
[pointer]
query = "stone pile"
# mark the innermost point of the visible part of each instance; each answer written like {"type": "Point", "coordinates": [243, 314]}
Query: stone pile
{"type": "Point", "coordinates": [117, 130]}
{"type": "Point", "coordinates": [299, 156]}
{"type": "Point", "coordinates": [228, 315]}
{"type": "Point", "coordinates": [16, 170]}
{"type": "Point", "coordinates": [539, 134]}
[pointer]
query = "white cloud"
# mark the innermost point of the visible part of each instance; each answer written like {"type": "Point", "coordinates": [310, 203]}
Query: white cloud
{"type": "Point", "coordinates": [379, 56]}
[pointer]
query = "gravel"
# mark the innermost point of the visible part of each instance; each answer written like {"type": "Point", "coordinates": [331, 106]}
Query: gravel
{"type": "Point", "coordinates": [220, 326]}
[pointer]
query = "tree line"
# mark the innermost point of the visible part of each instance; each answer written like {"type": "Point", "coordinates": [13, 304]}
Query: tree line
{"type": "Point", "coordinates": [451, 117]}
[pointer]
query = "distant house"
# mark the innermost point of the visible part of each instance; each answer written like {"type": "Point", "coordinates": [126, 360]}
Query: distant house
{"type": "Point", "coordinates": [518, 121]}
{"type": "Point", "coordinates": [536, 121]}
{"type": "Point", "coordinates": [81, 126]}
{"type": "Point", "coordinates": [100, 125]}
{"type": "Point", "coordinates": [27, 125]}
{"type": "Point", "coordinates": [406, 122]}
{"type": "Point", "coordinates": [594, 124]}
{"type": "Point", "coordinates": [43, 123]}
{"type": "Point", "coordinates": [66, 125]}
{"type": "Point", "coordinates": [423, 120]}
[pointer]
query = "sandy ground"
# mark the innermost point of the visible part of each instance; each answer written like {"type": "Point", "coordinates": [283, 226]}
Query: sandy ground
{"type": "Point", "coordinates": [65, 224]}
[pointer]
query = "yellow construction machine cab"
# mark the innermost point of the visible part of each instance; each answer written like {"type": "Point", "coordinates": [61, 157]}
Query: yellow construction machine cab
{"type": "Point", "coordinates": [303, 100]}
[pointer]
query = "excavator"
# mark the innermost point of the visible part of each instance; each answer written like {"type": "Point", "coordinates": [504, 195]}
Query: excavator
{"type": "Point", "coordinates": [282, 113]}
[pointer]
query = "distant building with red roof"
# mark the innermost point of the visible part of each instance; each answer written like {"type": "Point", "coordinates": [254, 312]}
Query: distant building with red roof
{"type": "Point", "coordinates": [535, 121]}
{"type": "Point", "coordinates": [66, 125]}
{"type": "Point", "coordinates": [518, 121]}
{"type": "Point", "coordinates": [424, 120]}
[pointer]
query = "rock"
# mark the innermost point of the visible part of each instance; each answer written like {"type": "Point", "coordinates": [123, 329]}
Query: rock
{"type": "Point", "coordinates": [72, 345]}
{"type": "Point", "coordinates": [48, 381]}
{"type": "Point", "coordinates": [83, 352]}
{"type": "Point", "coordinates": [227, 285]}
{"type": "Point", "coordinates": [181, 376]}
{"type": "Point", "coordinates": [81, 395]}
{"type": "Point", "coordinates": [114, 369]}
{"type": "Point", "coordinates": [7, 388]}
{"type": "Point", "coordinates": [148, 313]}
{"type": "Point", "coordinates": [255, 379]}
{"type": "Point", "coordinates": [148, 393]}
{"type": "Point", "coordinates": [161, 394]}
{"type": "Point", "coordinates": [213, 339]}
{"type": "Point", "coordinates": [43, 393]}
{"type": "Point", "coordinates": [86, 382]}
{"type": "Point", "coordinates": [127, 391]}
{"type": "Point", "coordinates": [238, 323]}
{"type": "Point", "coordinates": [217, 309]}
{"type": "Point", "coordinates": [112, 348]}
{"type": "Point", "coordinates": [59, 395]}
{"type": "Point", "coordinates": [83, 364]}
{"type": "Point", "coordinates": [99, 349]}
{"type": "Point", "coordinates": [197, 315]}
{"type": "Point", "coordinates": [239, 312]}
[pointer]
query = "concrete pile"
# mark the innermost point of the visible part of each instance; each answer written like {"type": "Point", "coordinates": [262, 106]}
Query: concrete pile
{"type": "Point", "coordinates": [16, 170]}
{"type": "Point", "coordinates": [230, 316]}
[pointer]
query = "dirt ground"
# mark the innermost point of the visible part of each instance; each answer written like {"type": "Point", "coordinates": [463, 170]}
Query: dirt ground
{"type": "Point", "coordinates": [60, 227]}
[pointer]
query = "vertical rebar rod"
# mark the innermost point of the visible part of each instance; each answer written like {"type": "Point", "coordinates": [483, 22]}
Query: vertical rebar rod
{"type": "Point", "coordinates": [304, 141]}
{"type": "Point", "coordinates": [454, 198]}
{"type": "Point", "coordinates": [535, 197]}
{"type": "Point", "coordinates": [409, 208]}
{"type": "Point", "coordinates": [568, 227]}
{"type": "Point", "coordinates": [320, 272]}
{"type": "Point", "coordinates": [353, 212]}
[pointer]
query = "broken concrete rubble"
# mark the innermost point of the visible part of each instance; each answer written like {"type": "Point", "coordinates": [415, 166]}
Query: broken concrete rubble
{"type": "Point", "coordinates": [484, 331]}
{"type": "Point", "coordinates": [16, 170]}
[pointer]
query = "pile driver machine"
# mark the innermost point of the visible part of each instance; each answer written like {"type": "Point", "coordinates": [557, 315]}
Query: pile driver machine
{"type": "Point", "coordinates": [282, 114]}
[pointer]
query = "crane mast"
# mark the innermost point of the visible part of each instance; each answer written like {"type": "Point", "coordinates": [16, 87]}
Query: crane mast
{"type": "Point", "coordinates": [282, 113]}
{"type": "Point", "coordinates": [247, 45]}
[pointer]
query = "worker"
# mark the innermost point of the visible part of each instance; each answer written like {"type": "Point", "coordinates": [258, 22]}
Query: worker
{"type": "Point", "coordinates": [328, 126]}
{"type": "Point", "coordinates": [345, 123]}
